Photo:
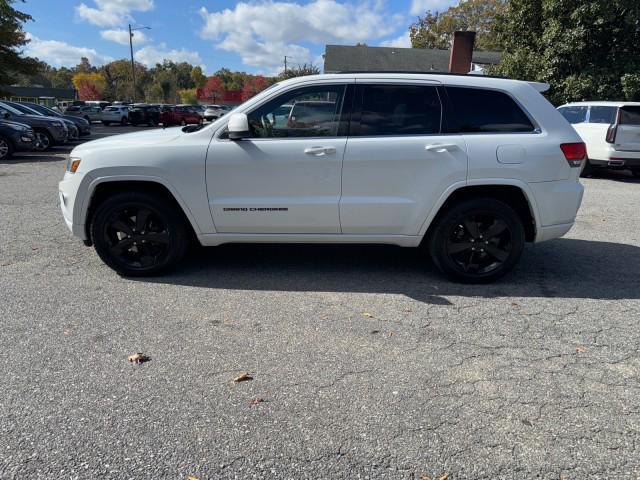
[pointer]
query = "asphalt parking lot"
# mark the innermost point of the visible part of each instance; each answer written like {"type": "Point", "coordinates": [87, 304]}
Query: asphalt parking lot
{"type": "Point", "coordinates": [370, 364]}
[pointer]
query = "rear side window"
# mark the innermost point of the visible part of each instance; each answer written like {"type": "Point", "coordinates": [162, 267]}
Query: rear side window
{"type": "Point", "coordinates": [476, 110]}
{"type": "Point", "coordinates": [399, 110]}
{"type": "Point", "coordinates": [630, 115]}
{"type": "Point", "coordinates": [603, 115]}
{"type": "Point", "coordinates": [574, 114]}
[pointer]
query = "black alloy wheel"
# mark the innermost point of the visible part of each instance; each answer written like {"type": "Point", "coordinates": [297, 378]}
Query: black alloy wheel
{"type": "Point", "coordinates": [139, 234]}
{"type": "Point", "coordinates": [477, 241]}
{"type": "Point", "coordinates": [6, 148]}
{"type": "Point", "coordinates": [44, 141]}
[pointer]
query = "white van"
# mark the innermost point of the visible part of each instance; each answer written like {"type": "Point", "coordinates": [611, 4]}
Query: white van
{"type": "Point", "coordinates": [611, 131]}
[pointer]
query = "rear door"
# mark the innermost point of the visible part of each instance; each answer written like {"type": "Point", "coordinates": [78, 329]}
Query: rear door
{"type": "Point", "coordinates": [628, 132]}
{"type": "Point", "coordinates": [397, 163]}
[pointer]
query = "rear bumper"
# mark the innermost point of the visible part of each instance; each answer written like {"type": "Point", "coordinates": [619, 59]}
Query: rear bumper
{"type": "Point", "coordinates": [616, 162]}
{"type": "Point", "coordinates": [557, 203]}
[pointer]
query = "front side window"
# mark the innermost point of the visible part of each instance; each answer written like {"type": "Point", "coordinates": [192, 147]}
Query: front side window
{"type": "Point", "coordinates": [476, 110]}
{"type": "Point", "coordinates": [603, 115]}
{"type": "Point", "coordinates": [303, 112]}
{"type": "Point", "coordinates": [574, 115]}
{"type": "Point", "coordinates": [399, 110]}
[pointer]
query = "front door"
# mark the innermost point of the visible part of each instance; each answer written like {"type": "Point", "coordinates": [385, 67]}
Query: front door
{"type": "Point", "coordinates": [285, 179]}
{"type": "Point", "coordinates": [397, 164]}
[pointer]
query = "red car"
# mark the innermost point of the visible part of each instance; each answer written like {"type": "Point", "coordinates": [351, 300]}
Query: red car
{"type": "Point", "coordinates": [180, 115]}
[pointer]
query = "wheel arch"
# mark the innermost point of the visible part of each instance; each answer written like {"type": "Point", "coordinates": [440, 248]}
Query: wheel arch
{"type": "Point", "coordinates": [515, 194]}
{"type": "Point", "coordinates": [102, 188]}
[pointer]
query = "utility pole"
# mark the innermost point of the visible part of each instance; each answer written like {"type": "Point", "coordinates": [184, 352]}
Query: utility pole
{"type": "Point", "coordinates": [133, 67]}
{"type": "Point", "coordinates": [285, 64]}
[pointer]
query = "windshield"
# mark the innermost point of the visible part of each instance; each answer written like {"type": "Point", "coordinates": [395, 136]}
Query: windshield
{"type": "Point", "coordinates": [112, 109]}
{"type": "Point", "coordinates": [73, 108]}
{"type": "Point", "coordinates": [25, 109]}
{"type": "Point", "coordinates": [11, 109]}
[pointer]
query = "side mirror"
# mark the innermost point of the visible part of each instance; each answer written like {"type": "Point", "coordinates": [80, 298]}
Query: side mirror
{"type": "Point", "coordinates": [238, 126]}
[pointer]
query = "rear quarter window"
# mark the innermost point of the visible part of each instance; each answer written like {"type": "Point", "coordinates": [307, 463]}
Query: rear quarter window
{"type": "Point", "coordinates": [601, 114]}
{"type": "Point", "coordinates": [574, 115]}
{"type": "Point", "coordinates": [477, 110]}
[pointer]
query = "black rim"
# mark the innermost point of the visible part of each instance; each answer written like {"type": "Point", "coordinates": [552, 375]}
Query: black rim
{"type": "Point", "coordinates": [480, 244]}
{"type": "Point", "coordinates": [137, 237]}
{"type": "Point", "coordinates": [42, 141]}
{"type": "Point", "coordinates": [4, 148]}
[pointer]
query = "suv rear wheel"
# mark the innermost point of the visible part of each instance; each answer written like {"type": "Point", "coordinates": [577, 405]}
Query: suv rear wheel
{"type": "Point", "coordinates": [139, 234]}
{"type": "Point", "coordinates": [477, 240]}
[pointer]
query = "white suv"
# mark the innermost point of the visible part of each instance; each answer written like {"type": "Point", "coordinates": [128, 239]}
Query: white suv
{"type": "Point", "coordinates": [468, 167]}
{"type": "Point", "coordinates": [611, 131]}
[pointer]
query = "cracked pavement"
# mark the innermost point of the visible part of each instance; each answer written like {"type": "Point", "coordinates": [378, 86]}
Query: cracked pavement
{"type": "Point", "coordinates": [532, 377]}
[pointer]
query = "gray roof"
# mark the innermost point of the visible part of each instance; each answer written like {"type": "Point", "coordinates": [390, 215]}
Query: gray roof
{"type": "Point", "coordinates": [58, 93]}
{"type": "Point", "coordinates": [347, 58]}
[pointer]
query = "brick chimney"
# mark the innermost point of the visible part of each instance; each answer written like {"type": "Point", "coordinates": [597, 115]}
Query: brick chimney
{"type": "Point", "coordinates": [461, 52]}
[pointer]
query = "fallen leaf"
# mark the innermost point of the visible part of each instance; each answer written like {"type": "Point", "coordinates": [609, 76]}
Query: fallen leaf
{"type": "Point", "coordinates": [444, 477]}
{"type": "Point", "coordinates": [425, 477]}
{"type": "Point", "coordinates": [256, 401]}
{"type": "Point", "coordinates": [190, 477]}
{"type": "Point", "coordinates": [580, 349]}
{"type": "Point", "coordinates": [138, 358]}
{"type": "Point", "coordinates": [68, 332]}
{"type": "Point", "coordinates": [515, 304]}
{"type": "Point", "coordinates": [34, 248]}
{"type": "Point", "coordinates": [243, 377]}
{"type": "Point", "coordinates": [408, 310]}
{"type": "Point", "coordinates": [373, 332]}
{"type": "Point", "coordinates": [5, 264]}
{"type": "Point", "coordinates": [527, 422]}
{"type": "Point", "coordinates": [367, 314]}
{"type": "Point", "coordinates": [391, 334]}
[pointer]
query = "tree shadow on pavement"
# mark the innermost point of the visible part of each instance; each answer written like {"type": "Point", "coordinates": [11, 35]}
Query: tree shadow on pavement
{"type": "Point", "coordinates": [563, 268]}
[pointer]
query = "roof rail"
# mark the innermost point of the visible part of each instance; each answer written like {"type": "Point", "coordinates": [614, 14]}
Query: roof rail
{"type": "Point", "coordinates": [422, 73]}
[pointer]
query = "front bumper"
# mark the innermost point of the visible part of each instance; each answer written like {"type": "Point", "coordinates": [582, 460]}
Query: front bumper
{"type": "Point", "coordinates": [70, 204]}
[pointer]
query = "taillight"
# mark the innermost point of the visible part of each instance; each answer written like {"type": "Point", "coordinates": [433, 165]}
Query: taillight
{"type": "Point", "coordinates": [575, 153]}
{"type": "Point", "coordinates": [611, 133]}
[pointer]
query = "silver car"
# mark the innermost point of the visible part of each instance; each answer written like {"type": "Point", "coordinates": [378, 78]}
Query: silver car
{"type": "Point", "coordinates": [89, 113]}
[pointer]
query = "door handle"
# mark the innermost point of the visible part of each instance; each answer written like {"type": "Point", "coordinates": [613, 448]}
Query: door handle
{"type": "Point", "coordinates": [441, 147]}
{"type": "Point", "coordinates": [320, 151]}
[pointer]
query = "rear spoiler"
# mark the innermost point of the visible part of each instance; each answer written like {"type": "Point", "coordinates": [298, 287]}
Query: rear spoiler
{"type": "Point", "coordinates": [540, 86]}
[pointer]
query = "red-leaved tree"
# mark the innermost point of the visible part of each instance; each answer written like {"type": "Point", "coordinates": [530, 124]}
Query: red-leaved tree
{"type": "Point", "coordinates": [252, 86]}
{"type": "Point", "coordinates": [214, 89]}
{"type": "Point", "coordinates": [88, 91]}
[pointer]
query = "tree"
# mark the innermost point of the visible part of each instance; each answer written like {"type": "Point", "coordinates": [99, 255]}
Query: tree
{"type": "Point", "coordinates": [12, 38]}
{"type": "Point", "coordinates": [89, 84]}
{"type": "Point", "coordinates": [301, 71]}
{"type": "Point", "coordinates": [188, 95]}
{"type": "Point", "coordinates": [435, 30]}
{"type": "Point", "coordinates": [214, 89]}
{"type": "Point", "coordinates": [199, 79]}
{"type": "Point", "coordinates": [585, 49]}
{"type": "Point", "coordinates": [252, 86]}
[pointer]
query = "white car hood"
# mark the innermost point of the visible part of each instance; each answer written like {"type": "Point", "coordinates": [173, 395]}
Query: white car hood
{"type": "Point", "coordinates": [136, 139]}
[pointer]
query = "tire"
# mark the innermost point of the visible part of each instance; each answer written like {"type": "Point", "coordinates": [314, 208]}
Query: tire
{"type": "Point", "coordinates": [587, 169]}
{"type": "Point", "coordinates": [106, 124]}
{"type": "Point", "coordinates": [44, 141]}
{"type": "Point", "coordinates": [635, 173]}
{"type": "Point", "coordinates": [6, 148]}
{"type": "Point", "coordinates": [123, 121]}
{"type": "Point", "coordinates": [461, 231]}
{"type": "Point", "coordinates": [151, 122]}
{"type": "Point", "coordinates": [120, 241]}
{"type": "Point", "coordinates": [200, 122]}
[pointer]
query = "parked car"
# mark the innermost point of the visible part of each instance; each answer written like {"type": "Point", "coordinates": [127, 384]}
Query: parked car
{"type": "Point", "coordinates": [214, 112]}
{"type": "Point", "coordinates": [611, 131]}
{"type": "Point", "coordinates": [91, 113]}
{"type": "Point", "coordinates": [98, 103]}
{"type": "Point", "coordinates": [179, 115]}
{"type": "Point", "coordinates": [84, 127]}
{"type": "Point", "coordinates": [15, 137]}
{"type": "Point", "coordinates": [49, 131]}
{"type": "Point", "coordinates": [74, 133]}
{"type": "Point", "coordinates": [115, 114]}
{"type": "Point", "coordinates": [468, 167]}
{"type": "Point", "coordinates": [144, 114]}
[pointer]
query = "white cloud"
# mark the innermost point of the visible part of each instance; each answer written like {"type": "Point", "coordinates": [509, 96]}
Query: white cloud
{"type": "Point", "coordinates": [112, 12]}
{"type": "Point", "coordinates": [263, 33]}
{"type": "Point", "coordinates": [60, 54]}
{"type": "Point", "coordinates": [151, 55]}
{"type": "Point", "coordinates": [403, 41]}
{"type": "Point", "coordinates": [121, 36]}
{"type": "Point", "coordinates": [419, 7]}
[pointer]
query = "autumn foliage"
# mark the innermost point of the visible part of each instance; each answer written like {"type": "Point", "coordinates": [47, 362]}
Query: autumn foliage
{"type": "Point", "coordinates": [252, 86]}
{"type": "Point", "coordinates": [90, 86]}
{"type": "Point", "coordinates": [214, 89]}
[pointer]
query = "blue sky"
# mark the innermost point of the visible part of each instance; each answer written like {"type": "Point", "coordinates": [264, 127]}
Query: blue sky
{"type": "Point", "coordinates": [251, 35]}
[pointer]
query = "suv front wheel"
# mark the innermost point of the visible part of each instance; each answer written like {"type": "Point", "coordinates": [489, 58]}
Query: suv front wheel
{"type": "Point", "coordinates": [477, 240]}
{"type": "Point", "coordinates": [139, 234]}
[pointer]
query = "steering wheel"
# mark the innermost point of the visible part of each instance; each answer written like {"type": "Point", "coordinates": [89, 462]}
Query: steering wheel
{"type": "Point", "coordinates": [266, 125]}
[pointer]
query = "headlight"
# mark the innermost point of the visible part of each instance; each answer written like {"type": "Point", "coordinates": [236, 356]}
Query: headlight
{"type": "Point", "coordinates": [72, 164]}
